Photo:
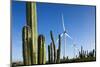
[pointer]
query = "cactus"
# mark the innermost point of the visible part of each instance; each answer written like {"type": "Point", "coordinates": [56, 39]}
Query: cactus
{"type": "Point", "coordinates": [52, 53]}
{"type": "Point", "coordinates": [59, 50]}
{"type": "Point", "coordinates": [49, 53]}
{"type": "Point", "coordinates": [26, 33]}
{"type": "Point", "coordinates": [41, 50]}
{"type": "Point", "coordinates": [54, 47]}
{"type": "Point", "coordinates": [55, 53]}
{"type": "Point", "coordinates": [32, 23]}
{"type": "Point", "coordinates": [81, 49]}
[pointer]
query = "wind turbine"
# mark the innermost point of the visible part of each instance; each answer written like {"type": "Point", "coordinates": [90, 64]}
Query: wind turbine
{"type": "Point", "coordinates": [65, 34]}
{"type": "Point", "coordinates": [75, 49]}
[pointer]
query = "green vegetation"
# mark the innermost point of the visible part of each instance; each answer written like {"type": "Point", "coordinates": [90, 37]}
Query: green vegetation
{"type": "Point", "coordinates": [26, 33]}
{"type": "Point", "coordinates": [83, 57]}
{"type": "Point", "coordinates": [41, 50]}
{"type": "Point", "coordinates": [53, 52]}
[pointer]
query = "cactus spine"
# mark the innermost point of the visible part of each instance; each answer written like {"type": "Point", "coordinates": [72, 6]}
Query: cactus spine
{"type": "Point", "coordinates": [26, 33]}
{"type": "Point", "coordinates": [41, 50]}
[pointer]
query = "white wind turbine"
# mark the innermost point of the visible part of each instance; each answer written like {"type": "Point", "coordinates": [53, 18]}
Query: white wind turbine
{"type": "Point", "coordinates": [75, 49]}
{"type": "Point", "coordinates": [65, 34]}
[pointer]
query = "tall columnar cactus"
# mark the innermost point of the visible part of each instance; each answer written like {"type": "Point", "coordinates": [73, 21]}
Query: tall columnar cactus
{"type": "Point", "coordinates": [41, 50]}
{"type": "Point", "coordinates": [54, 47]}
{"type": "Point", "coordinates": [52, 53]}
{"type": "Point", "coordinates": [26, 38]}
{"type": "Point", "coordinates": [59, 50]}
{"type": "Point", "coordinates": [49, 53]}
{"type": "Point", "coordinates": [32, 23]}
{"type": "Point", "coordinates": [82, 51]}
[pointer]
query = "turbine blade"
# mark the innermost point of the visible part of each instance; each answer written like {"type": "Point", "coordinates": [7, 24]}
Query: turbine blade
{"type": "Point", "coordinates": [68, 35]}
{"type": "Point", "coordinates": [63, 22]}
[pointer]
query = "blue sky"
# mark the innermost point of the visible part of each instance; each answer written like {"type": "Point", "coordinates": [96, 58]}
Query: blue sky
{"type": "Point", "coordinates": [79, 22]}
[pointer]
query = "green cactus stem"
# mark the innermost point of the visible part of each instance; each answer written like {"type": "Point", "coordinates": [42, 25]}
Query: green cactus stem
{"type": "Point", "coordinates": [26, 37]}
{"type": "Point", "coordinates": [41, 50]}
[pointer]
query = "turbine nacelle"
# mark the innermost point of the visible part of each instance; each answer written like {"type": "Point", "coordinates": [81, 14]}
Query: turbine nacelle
{"type": "Point", "coordinates": [65, 32]}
